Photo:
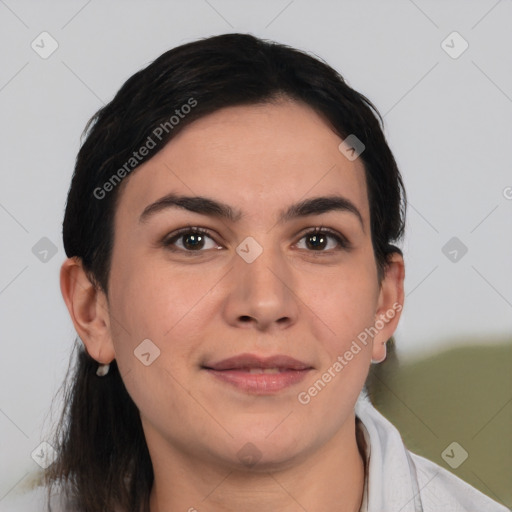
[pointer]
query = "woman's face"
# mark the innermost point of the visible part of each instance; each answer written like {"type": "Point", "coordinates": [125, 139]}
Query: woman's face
{"type": "Point", "coordinates": [255, 284]}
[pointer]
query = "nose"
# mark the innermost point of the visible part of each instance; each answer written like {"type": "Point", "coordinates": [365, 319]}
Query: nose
{"type": "Point", "coordinates": [262, 293]}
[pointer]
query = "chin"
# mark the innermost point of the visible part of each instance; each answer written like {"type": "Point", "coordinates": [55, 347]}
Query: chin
{"type": "Point", "coordinates": [271, 447]}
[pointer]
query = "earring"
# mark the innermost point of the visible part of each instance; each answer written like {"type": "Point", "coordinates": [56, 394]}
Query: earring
{"type": "Point", "coordinates": [102, 370]}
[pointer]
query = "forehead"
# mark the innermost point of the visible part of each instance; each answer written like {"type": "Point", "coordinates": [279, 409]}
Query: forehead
{"type": "Point", "coordinates": [258, 158]}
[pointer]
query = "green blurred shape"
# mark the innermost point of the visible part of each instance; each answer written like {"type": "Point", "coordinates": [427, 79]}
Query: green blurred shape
{"type": "Point", "coordinates": [464, 395]}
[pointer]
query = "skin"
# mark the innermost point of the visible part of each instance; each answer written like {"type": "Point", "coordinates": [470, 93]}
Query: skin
{"type": "Point", "coordinates": [293, 299]}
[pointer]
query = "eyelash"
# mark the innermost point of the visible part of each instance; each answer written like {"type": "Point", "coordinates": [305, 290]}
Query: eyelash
{"type": "Point", "coordinates": [343, 243]}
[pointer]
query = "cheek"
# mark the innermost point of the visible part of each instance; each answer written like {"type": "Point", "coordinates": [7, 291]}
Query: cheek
{"type": "Point", "coordinates": [146, 305]}
{"type": "Point", "coordinates": [345, 315]}
{"type": "Point", "coordinates": [151, 300]}
{"type": "Point", "coordinates": [346, 302]}
{"type": "Point", "coordinates": [170, 308]}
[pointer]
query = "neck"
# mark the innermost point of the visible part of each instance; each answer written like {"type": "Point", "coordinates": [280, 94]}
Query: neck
{"type": "Point", "coordinates": [332, 478]}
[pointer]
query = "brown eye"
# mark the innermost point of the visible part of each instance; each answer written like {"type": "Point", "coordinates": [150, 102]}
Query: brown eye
{"type": "Point", "coordinates": [190, 240]}
{"type": "Point", "coordinates": [319, 240]}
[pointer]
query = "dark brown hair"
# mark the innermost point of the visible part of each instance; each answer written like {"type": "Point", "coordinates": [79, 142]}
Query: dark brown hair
{"type": "Point", "coordinates": [103, 457]}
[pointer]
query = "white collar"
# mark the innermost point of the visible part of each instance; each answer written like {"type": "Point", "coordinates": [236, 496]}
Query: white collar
{"type": "Point", "coordinates": [399, 480]}
{"type": "Point", "coordinates": [386, 455]}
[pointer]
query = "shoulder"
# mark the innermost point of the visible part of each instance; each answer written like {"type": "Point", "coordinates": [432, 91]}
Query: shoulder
{"type": "Point", "coordinates": [442, 490]}
{"type": "Point", "coordinates": [400, 479]}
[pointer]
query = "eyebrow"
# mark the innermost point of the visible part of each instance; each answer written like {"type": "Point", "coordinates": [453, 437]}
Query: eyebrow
{"type": "Point", "coordinates": [206, 206]}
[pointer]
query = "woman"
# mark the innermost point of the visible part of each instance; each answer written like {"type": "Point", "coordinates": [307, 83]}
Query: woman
{"type": "Point", "coordinates": [231, 274]}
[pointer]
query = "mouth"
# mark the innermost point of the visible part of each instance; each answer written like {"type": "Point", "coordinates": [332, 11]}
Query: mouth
{"type": "Point", "coordinates": [258, 375]}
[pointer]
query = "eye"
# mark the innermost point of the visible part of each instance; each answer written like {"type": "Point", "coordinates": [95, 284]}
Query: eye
{"type": "Point", "coordinates": [191, 239]}
{"type": "Point", "coordinates": [195, 240]}
{"type": "Point", "coordinates": [318, 240]}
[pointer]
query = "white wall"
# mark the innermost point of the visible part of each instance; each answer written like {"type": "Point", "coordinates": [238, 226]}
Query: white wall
{"type": "Point", "coordinates": [447, 120]}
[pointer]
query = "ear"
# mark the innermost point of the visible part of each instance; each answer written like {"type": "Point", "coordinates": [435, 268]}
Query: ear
{"type": "Point", "coordinates": [389, 306]}
{"type": "Point", "coordinates": [88, 308]}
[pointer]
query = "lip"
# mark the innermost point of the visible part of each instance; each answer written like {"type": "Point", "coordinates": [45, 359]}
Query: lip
{"type": "Point", "coordinates": [237, 372]}
{"type": "Point", "coordinates": [243, 361]}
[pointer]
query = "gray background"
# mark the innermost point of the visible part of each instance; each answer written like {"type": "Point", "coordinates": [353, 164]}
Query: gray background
{"type": "Point", "coordinates": [447, 121]}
